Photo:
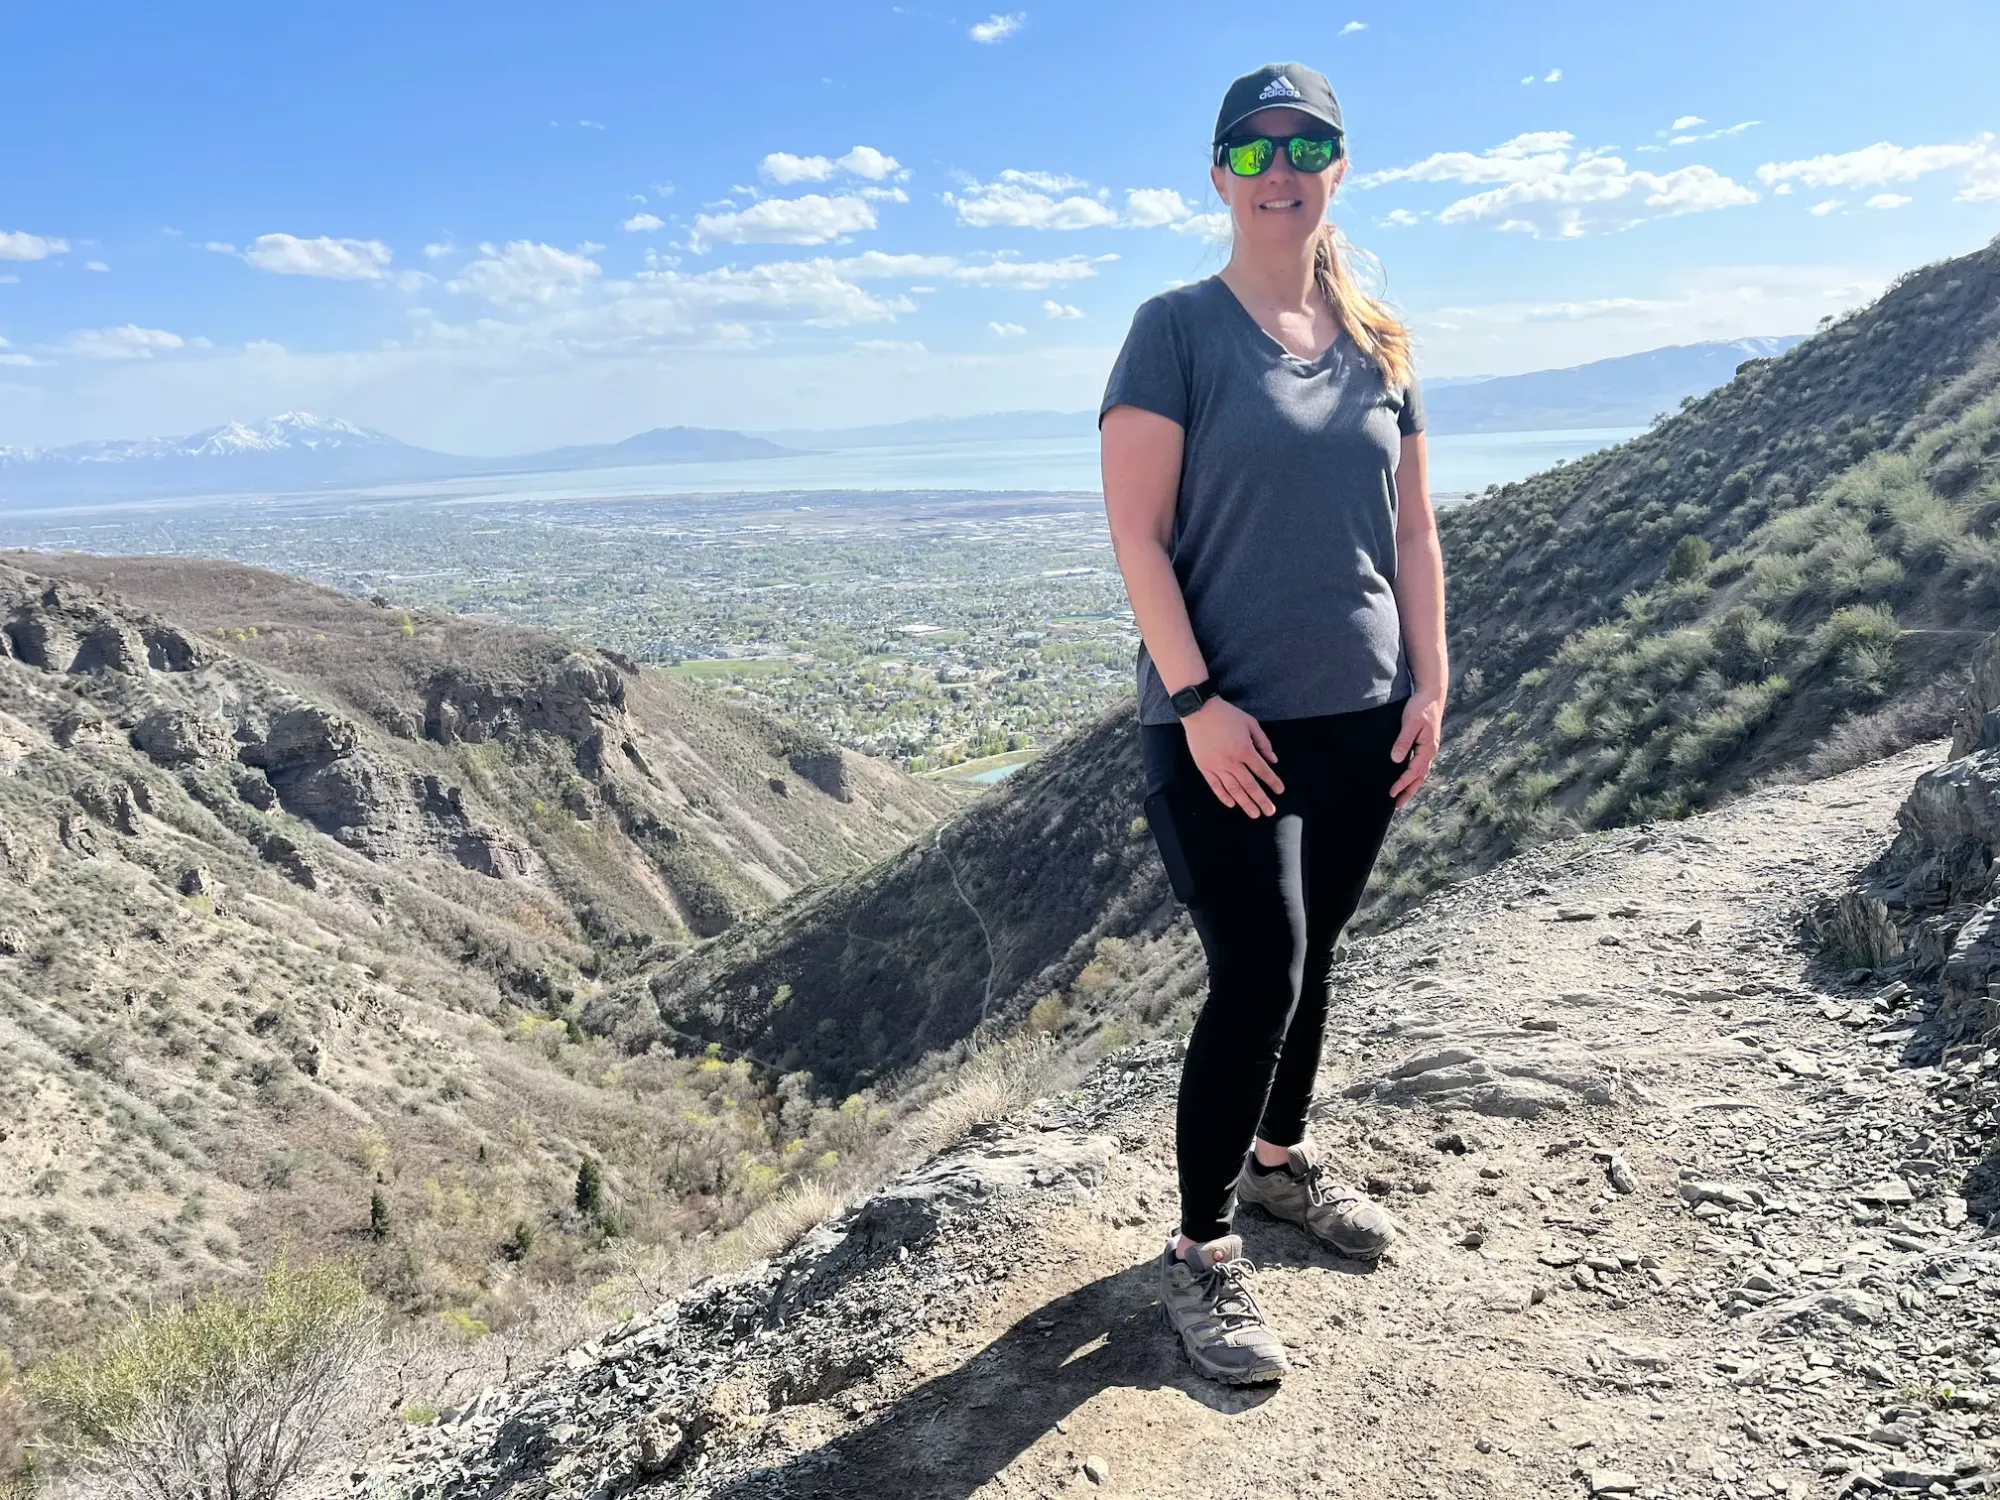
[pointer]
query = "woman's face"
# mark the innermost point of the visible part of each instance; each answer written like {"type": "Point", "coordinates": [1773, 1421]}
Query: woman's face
{"type": "Point", "coordinates": [1280, 206]}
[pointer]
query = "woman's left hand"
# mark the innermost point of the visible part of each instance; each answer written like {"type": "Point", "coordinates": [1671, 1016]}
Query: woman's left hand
{"type": "Point", "coordinates": [1423, 724]}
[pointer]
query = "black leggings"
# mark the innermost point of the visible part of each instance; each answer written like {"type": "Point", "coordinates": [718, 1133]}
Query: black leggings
{"type": "Point", "coordinates": [1269, 896]}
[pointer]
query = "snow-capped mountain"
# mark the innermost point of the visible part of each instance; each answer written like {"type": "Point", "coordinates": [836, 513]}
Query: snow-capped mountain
{"type": "Point", "coordinates": [297, 451]}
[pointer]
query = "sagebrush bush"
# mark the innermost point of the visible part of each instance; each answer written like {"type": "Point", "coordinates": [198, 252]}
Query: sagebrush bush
{"type": "Point", "coordinates": [220, 1397]}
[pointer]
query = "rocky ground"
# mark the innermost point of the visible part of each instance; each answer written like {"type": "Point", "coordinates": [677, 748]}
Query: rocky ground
{"type": "Point", "coordinates": [1682, 1215]}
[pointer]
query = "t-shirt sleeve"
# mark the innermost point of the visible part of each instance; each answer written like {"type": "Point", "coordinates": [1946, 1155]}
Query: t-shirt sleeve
{"type": "Point", "coordinates": [1151, 371]}
{"type": "Point", "coordinates": [1411, 418]}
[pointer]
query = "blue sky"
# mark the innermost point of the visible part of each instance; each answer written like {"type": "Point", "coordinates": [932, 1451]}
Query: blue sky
{"type": "Point", "coordinates": [499, 226]}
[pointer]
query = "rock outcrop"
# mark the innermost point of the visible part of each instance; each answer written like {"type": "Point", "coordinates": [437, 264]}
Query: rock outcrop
{"type": "Point", "coordinates": [1934, 899]}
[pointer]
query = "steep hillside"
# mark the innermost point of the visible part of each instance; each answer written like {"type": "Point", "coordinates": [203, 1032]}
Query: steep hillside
{"type": "Point", "coordinates": [298, 900]}
{"type": "Point", "coordinates": [1780, 580]}
{"type": "Point", "coordinates": [1006, 903]}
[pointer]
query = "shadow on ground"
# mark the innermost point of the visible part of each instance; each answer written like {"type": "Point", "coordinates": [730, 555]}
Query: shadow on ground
{"type": "Point", "coordinates": [956, 1432]}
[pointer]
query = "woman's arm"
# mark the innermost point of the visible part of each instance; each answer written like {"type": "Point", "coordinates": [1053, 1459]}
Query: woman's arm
{"type": "Point", "coordinates": [1142, 477]}
{"type": "Point", "coordinates": [1420, 603]}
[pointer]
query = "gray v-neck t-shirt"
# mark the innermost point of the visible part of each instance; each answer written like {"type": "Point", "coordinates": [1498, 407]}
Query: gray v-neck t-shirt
{"type": "Point", "coordinates": [1284, 535]}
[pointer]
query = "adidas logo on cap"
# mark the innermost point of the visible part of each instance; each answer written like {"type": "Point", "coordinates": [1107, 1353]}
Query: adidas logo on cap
{"type": "Point", "coordinates": [1280, 88]}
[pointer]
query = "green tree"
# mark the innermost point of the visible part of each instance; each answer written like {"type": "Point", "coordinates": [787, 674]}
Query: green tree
{"type": "Point", "coordinates": [379, 1227]}
{"type": "Point", "coordinates": [590, 1189]}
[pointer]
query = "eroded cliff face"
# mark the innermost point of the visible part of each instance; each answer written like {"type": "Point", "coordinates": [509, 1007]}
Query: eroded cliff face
{"type": "Point", "coordinates": [302, 899]}
{"type": "Point", "coordinates": [648, 814]}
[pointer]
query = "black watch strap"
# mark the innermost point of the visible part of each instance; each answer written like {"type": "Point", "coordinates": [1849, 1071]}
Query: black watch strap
{"type": "Point", "coordinates": [1190, 699]}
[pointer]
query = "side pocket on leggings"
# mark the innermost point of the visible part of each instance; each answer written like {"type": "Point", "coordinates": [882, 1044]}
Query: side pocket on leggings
{"type": "Point", "coordinates": [1160, 818]}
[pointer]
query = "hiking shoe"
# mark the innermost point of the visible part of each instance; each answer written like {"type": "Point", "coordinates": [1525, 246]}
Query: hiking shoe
{"type": "Point", "coordinates": [1304, 1192]}
{"type": "Point", "coordinates": [1207, 1299]}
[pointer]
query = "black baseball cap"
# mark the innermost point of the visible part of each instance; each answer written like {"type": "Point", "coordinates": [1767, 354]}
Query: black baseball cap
{"type": "Point", "coordinates": [1275, 85]}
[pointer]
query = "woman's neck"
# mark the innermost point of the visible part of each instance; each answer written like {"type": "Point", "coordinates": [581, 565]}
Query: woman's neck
{"type": "Point", "coordinates": [1272, 279]}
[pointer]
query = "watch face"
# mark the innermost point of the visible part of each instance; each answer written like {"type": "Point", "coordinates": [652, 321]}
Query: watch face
{"type": "Point", "coordinates": [1186, 701]}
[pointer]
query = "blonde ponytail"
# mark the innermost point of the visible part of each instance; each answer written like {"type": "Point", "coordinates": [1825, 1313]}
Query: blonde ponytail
{"type": "Point", "coordinates": [1376, 331]}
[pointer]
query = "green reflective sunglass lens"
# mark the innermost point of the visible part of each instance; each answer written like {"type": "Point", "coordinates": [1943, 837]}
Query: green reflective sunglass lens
{"type": "Point", "coordinates": [1250, 157]}
{"type": "Point", "coordinates": [1310, 155]}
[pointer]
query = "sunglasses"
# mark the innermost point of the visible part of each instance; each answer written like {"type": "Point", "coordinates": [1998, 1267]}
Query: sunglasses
{"type": "Point", "coordinates": [1252, 154]}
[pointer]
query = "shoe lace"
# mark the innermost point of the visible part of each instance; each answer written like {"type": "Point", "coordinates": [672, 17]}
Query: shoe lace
{"type": "Point", "coordinates": [1227, 1287]}
{"type": "Point", "coordinates": [1323, 1188]}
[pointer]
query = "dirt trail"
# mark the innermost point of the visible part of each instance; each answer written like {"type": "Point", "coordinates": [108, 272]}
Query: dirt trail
{"type": "Point", "coordinates": [1788, 1301]}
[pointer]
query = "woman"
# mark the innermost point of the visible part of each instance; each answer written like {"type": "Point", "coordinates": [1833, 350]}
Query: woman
{"type": "Point", "coordinates": [1264, 478]}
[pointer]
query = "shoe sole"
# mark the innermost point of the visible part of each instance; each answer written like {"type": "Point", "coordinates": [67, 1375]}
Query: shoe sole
{"type": "Point", "coordinates": [1208, 1371]}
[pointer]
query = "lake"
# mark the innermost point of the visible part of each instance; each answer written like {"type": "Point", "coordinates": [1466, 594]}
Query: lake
{"type": "Point", "coordinates": [1459, 464]}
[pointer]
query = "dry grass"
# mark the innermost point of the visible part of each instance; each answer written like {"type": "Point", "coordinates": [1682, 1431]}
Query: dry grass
{"type": "Point", "coordinates": [994, 1082]}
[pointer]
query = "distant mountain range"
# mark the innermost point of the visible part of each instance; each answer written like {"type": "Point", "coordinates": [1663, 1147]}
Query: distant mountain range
{"type": "Point", "coordinates": [1625, 392]}
{"type": "Point", "coordinates": [300, 452]}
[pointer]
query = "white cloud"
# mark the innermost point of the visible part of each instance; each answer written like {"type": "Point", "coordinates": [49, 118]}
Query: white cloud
{"type": "Point", "coordinates": [1025, 200]}
{"type": "Point", "coordinates": [1544, 185]}
{"type": "Point", "coordinates": [890, 346]}
{"type": "Point", "coordinates": [1402, 218]}
{"type": "Point", "coordinates": [1061, 311]}
{"type": "Point", "coordinates": [784, 168]}
{"type": "Point", "coordinates": [809, 220]}
{"type": "Point", "coordinates": [95, 265]}
{"type": "Point", "coordinates": [1351, 27]}
{"type": "Point", "coordinates": [1045, 182]}
{"type": "Point", "coordinates": [440, 249]}
{"type": "Point", "coordinates": [525, 273]}
{"type": "Point", "coordinates": [1001, 272]}
{"type": "Point", "coordinates": [126, 342]}
{"type": "Point", "coordinates": [1982, 181]}
{"type": "Point", "coordinates": [1821, 210]}
{"type": "Point", "coordinates": [997, 28]}
{"type": "Point", "coordinates": [1554, 75]}
{"type": "Point", "coordinates": [1024, 275]}
{"type": "Point", "coordinates": [1873, 166]}
{"type": "Point", "coordinates": [1215, 226]}
{"type": "Point", "coordinates": [1887, 200]}
{"type": "Point", "coordinates": [866, 161]}
{"type": "Point", "coordinates": [641, 223]}
{"type": "Point", "coordinates": [1007, 330]}
{"type": "Point", "coordinates": [335, 259]}
{"type": "Point", "coordinates": [1147, 207]}
{"type": "Point", "coordinates": [1683, 133]}
{"type": "Point", "coordinates": [19, 245]}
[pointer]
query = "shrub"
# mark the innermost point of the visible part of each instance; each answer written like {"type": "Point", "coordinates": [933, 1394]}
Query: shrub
{"type": "Point", "coordinates": [218, 1396]}
{"type": "Point", "coordinates": [379, 1226]}
{"type": "Point", "coordinates": [1689, 559]}
{"type": "Point", "coordinates": [1046, 1014]}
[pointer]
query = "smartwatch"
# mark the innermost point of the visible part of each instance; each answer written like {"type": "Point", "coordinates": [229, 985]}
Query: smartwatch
{"type": "Point", "coordinates": [1189, 699]}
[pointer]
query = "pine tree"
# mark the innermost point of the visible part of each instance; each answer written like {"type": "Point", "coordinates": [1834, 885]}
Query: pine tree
{"type": "Point", "coordinates": [589, 1189]}
{"type": "Point", "coordinates": [378, 1215]}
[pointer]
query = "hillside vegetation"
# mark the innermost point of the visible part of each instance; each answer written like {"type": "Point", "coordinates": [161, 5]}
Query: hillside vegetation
{"type": "Point", "coordinates": [1783, 579]}
{"type": "Point", "coordinates": [1778, 581]}
{"type": "Point", "coordinates": [300, 899]}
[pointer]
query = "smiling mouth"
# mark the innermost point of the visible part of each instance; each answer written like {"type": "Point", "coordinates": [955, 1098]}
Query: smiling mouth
{"type": "Point", "coordinates": [1281, 204]}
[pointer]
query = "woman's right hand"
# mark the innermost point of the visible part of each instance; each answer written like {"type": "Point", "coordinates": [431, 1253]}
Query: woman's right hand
{"type": "Point", "coordinates": [1232, 751]}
